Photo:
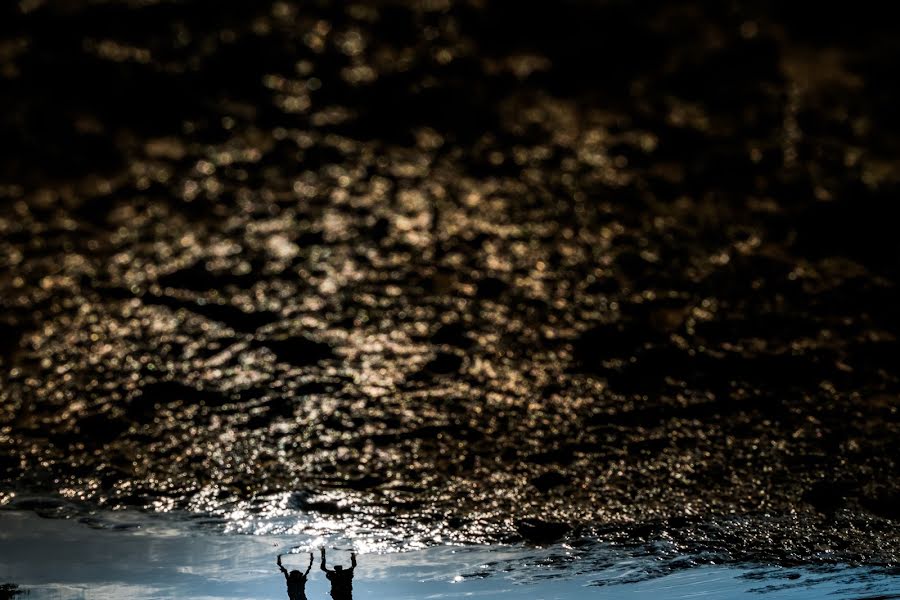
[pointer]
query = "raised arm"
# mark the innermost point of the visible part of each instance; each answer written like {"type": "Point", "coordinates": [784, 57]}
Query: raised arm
{"type": "Point", "coordinates": [281, 567]}
{"type": "Point", "coordinates": [323, 562]}
{"type": "Point", "coordinates": [352, 560]}
{"type": "Point", "coordinates": [310, 564]}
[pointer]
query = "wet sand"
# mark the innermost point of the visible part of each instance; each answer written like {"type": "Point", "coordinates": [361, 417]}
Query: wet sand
{"type": "Point", "coordinates": [456, 271]}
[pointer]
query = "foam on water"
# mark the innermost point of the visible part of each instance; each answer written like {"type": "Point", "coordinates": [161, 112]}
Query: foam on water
{"type": "Point", "coordinates": [136, 556]}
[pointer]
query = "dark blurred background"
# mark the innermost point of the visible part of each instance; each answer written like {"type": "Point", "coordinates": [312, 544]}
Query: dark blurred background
{"type": "Point", "coordinates": [489, 268]}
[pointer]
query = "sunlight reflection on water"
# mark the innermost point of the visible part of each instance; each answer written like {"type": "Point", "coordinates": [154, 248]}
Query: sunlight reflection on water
{"type": "Point", "coordinates": [133, 556]}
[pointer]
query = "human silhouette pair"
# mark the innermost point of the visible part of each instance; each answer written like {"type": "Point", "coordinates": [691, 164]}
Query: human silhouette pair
{"type": "Point", "coordinates": [341, 579]}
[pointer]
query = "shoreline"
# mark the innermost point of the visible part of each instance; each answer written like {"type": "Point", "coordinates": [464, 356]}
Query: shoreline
{"type": "Point", "coordinates": [160, 557]}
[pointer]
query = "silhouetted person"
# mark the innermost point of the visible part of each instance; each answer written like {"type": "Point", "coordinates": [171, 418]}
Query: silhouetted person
{"type": "Point", "coordinates": [341, 580]}
{"type": "Point", "coordinates": [296, 581]}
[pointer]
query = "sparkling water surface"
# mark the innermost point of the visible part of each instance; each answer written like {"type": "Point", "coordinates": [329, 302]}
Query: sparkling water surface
{"type": "Point", "coordinates": [562, 299]}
